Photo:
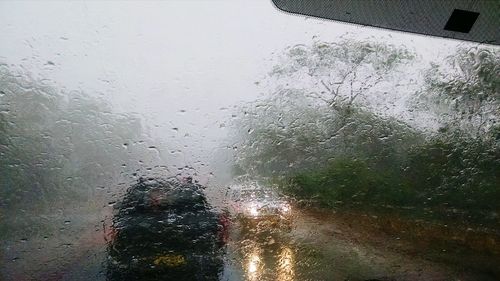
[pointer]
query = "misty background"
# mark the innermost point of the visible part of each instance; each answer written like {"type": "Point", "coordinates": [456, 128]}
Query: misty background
{"type": "Point", "coordinates": [96, 94]}
{"type": "Point", "coordinates": [178, 64]}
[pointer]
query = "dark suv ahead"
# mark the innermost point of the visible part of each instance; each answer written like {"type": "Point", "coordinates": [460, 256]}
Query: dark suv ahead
{"type": "Point", "coordinates": [166, 230]}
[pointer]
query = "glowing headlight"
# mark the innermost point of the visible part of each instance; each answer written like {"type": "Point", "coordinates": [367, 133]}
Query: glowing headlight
{"type": "Point", "coordinates": [253, 263]}
{"type": "Point", "coordinates": [285, 208]}
{"type": "Point", "coordinates": [253, 211]}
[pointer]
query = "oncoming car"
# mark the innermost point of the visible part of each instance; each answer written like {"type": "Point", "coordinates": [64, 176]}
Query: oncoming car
{"type": "Point", "coordinates": [166, 230]}
{"type": "Point", "coordinates": [255, 206]}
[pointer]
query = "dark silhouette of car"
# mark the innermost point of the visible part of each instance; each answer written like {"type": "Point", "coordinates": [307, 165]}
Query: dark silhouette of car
{"type": "Point", "coordinates": [166, 230]}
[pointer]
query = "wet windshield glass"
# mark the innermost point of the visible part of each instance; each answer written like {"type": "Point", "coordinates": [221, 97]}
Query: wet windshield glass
{"type": "Point", "coordinates": [256, 194]}
{"type": "Point", "coordinates": [131, 132]}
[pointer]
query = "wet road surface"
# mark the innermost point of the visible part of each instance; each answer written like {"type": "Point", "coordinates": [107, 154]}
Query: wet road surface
{"type": "Point", "coordinates": [315, 248]}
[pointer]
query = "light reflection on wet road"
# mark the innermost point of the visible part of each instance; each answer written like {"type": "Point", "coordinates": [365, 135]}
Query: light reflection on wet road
{"type": "Point", "coordinates": [252, 256]}
{"type": "Point", "coordinates": [312, 250]}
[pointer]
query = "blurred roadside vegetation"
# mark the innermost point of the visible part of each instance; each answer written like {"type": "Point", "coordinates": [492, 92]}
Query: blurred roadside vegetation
{"type": "Point", "coordinates": [443, 179]}
{"type": "Point", "coordinates": [62, 154]}
{"type": "Point", "coordinates": [322, 143]}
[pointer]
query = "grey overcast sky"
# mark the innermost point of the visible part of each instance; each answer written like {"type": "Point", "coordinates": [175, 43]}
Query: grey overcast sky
{"type": "Point", "coordinates": [162, 58]}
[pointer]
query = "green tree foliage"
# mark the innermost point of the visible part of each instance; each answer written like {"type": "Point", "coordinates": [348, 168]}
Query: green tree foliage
{"type": "Point", "coordinates": [453, 171]}
{"type": "Point", "coordinates": [288, 133]}
{"type": "Point", "coordinates": [349, 182]}
{"type": "Point", "coordinates": [440, 179]}
{"type": "Point", "coordinates": [303, 125]}
{"type": "Point", "coordinates": [465, 91]}
{"type": "Point", "coordinates": [319, 142]}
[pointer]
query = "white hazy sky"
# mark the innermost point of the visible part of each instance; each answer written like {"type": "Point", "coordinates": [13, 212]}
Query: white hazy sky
{"type": "Point", "coordinates": [160, 57]}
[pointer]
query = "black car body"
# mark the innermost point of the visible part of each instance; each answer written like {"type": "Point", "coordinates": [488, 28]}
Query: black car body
{"type": "Point", "coordinates": [165, 230]}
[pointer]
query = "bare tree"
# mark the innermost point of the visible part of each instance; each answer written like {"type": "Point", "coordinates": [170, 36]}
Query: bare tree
{"type": "Point", "coordinates": [313, 114]}
{"type": "Point", "coordinates": [339, 73]}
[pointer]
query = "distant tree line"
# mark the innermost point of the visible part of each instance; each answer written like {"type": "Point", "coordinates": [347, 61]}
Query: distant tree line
{"type": "Point", "coordinates": [61, 149]}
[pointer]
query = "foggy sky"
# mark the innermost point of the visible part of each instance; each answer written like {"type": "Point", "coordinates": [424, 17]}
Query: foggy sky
{"type": "Point", "coordinates": [179, 64]}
